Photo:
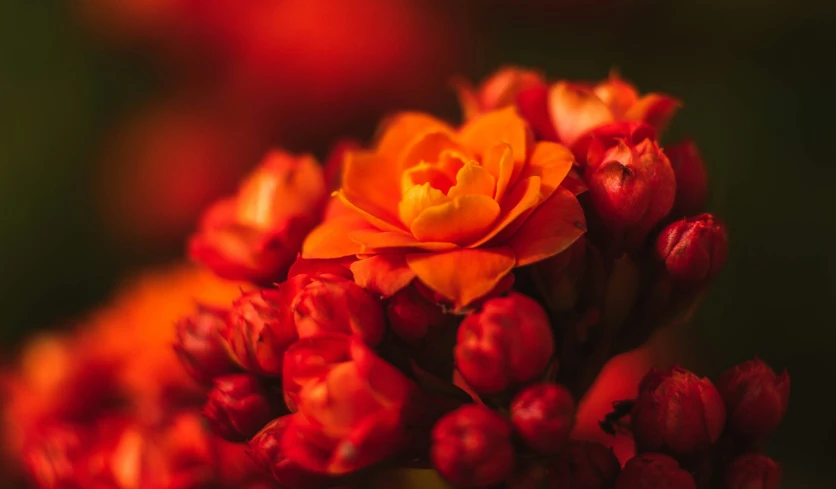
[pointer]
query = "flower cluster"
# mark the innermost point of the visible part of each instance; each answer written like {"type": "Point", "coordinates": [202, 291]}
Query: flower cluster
{"type": "Point", "coordinates": [457, 295]}
{"type": "Point", "coordinates": [108, 406]}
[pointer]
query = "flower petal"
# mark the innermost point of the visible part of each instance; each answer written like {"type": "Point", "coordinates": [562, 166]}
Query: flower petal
{"type": "Point", "coordinates": [462, 275]}
{"type": "Point", "coordinates": [375, 241]}
{"type": "Point", "coordinates": [550, 229]}
{"type": "Point", "coordinates": [417, 199]}
{"type": "Point", "coordinates": [499, 126]}
{"type": "Point", "coordinates": [371, 183]}
{"type": "Point", "coordinates": [524, 196]}
{"type": "Point", "coordinates": [428, 148]}
{"type": "Point", "coordinates": [330, 239]}
{"type": "Point", "coordinates": [655, 109]}
{"type": "Point", "coordinates": [400, 130]}
{"type": "Point", "coordinates": [383, 274]}
{"type": "Point", "coordinates": [575, 111]}
{"type": "Point", "coordinates": [551, 162]}
{"type": "Point", "coordinates": [459, 221]}
{"type": "Point", "coordinates": [473, 179]}
{"type": "Point", "coordinates": [499, 162]}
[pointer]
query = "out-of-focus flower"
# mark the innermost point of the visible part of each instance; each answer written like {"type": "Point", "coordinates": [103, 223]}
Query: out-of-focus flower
{"type": "Point", "coordinates": [756, 399]}
{"type": "Point", "coordinates": [471, 447]}
{"type": "Point", "coordinates": [352, 409]}
{"type": "Point", "coordinates": [631, 182]}
{"type": "Point", "coordinates": [238, 406]}
{"type": "Point", "coordinates": [579, 108]}
{"type": "Point", "coordinates": [266, 449]}
{"type": "Point", "coordinates": [257, 234]}
{"type": "Point", "coordinates": [411, 315]}
{"type": "Point", "coordinates": [676, 412]}
{"type": "Point", "coordinates": [753, 471]}
{"type": "Point", "coordinates": [499, 90]}
{"type": "Point", "coordinates": [691, 178]}
{"type": "Point", "coordinates": [458, 209]}
{"type": "Point", "coordinates": [654, 471]}
{"type": "Point", "coordinates": [543, 415]}
{"type": "Point", "coordinates": [199, 345]}
{"type": "Point", "coordinates": [694, 249]}
{"type": "Point", "coordinates": [509, 341]}
{"type": "Point", "coordinates": [584, 465]}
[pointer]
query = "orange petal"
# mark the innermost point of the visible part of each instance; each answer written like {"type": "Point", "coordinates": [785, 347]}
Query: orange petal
{"type": "Point", "coordinates": [459, 221]}
{"type": "Point", "coordinates": [523, 197]}
{"type": "Point", "coordinates": [498, 160]}
{"type": "Point", "coordinates": [550, 229]}
{"type": "Point", "coordinates": [402, 129]}
{"type": "Point", "coordinates": [499, 126]}
{"type": "Point", "coordinates": [330, 239]}
{"type": "Point", "coordinates": [428, 148]}
{"type": "Point", "coordinates": [575, 110]}
{"type": "Point", "coordinates": [462, 275]}
{"type": "Point", "coordinates": [383, 274]}
{"type": "Point", "coordinates": [468, 98]}
{"type": "Point", "coordinates": [373, 220]}
{"type": "Point", "coordinates": [574, 183]}
{"type": "Point", "coordinates": [374, 241]}
{"type": "Point", "coordinates": [551, 162]}
{"type": "Point", "coordinates": [417, 199]}
{"type": "Point", "coordinates": [655, 109]}
{"type": "Point", "coordinates": [431, 173]}
{"type": "Point", "coordinates": [473, 179]}
{"type": "Point", "coordinates": [371, 182]}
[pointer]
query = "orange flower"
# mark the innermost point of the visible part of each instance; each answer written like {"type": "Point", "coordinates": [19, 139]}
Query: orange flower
{"type": "Point", "coordinates": [578, 108]}
{"type": "Point", "coordinates": [256, 234]}
{"type": "Point", "coordinates": [458, 209]}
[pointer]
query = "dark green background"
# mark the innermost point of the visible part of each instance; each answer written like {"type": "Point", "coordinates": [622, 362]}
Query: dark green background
{"type": "Point", "coordinates": [758, 82]}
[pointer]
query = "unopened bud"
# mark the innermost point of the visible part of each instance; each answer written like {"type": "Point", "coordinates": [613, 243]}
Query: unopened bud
{"type": "Point", "coordinates": [238, 406]}
{"type": "Point", "coordinates": [654, 471]}
{"type": "Point", "coordinates": [200, 347]}
{"type": "Point", "coordinates": [543, 415]}
{"type": "Point", "coordinates": [693, 250]}
{"type": "Point", "coordinates": [756, 399]}
{"type": "Point", "coordinates": [753, 471]}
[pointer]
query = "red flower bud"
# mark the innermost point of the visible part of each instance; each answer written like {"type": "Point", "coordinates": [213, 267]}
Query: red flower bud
{"type": "Point", "coordinates": [509, 341]}
{"type": "Point", "coordinates": [543, 415]}
{"type": "Point", "coordinates": [654, 471]}
{"type": "Point", "coordinates": [411, 314]}
{"type": "Point", "coordinates": [691, 178]}
{"type": "Point", "coordinates": [258, 333]}
{"type": "Point", "coordinates": [753, 471]}
{"type": "Point", "coordinates": [632, 187]}
{"type": "Point", "coordinates": [324, 302]}
{"type": "Point", "coordinates": [756, 399]}
{"type": "Point", "coordinates": [676, 412]}
{"type": "Point", "coordinates": [238, 406]}
{"type": "Point", "coordinates": [584, 465]}
{"type": "Point", "coordinates": [354, 406]}
{"type": "Point", "coordinates": [471, 447]}
{"type": "Point", "coordinates": [499, 90]}
{"type": "Point", "coordinates": [694, 249]}
{"type": "Point", "coordinates": [199, 345]}
{"type": "Point", "coordinates": [256, 234]}
{"type": "Point", "coordinates": [266, 449]}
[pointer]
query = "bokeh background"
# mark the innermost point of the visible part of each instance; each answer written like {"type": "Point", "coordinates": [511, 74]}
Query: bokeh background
{"type": "Point", "coordinates": [120, 119]}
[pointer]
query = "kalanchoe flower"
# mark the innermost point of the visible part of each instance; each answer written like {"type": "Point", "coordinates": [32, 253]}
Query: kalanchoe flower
{"type": "Point", "coordinates": [256, 234]}
{"type": "Point", "coordinates": [238, 406]}
{"type": "Point", "coordinates": [691, 179]}
{"type": "Point", "coordinates": [543, 415]}
{"type": "Point", "coordinates": [257, 334]}
{"type": "Point", "coordinates": [693, 250]}
{"type": "Point", "coordinates": [584, 465]}
{"type": "Point", "coordinates": [471, 447]}
{"type": "Point", "coordinates": [676, 412]}
{"type": "Point", "coordinates": [753, 471]}
{"type": "Point", "coordinates": [509, 341]}
{"type": "Point", "coordinates": [501, 89]}
{"type": "Point", "coordinates": [577, 109]}
{"type": "Point", "coordinates": [631, 184]}
{"type": "Point", "coordinates": [756, 399]}
{"type": "Point", "coordinates": [457, 209]}
{"type": "Point", "coordinates": [411, 314]}
{"type": "Point", "coordinates": [199, 345]}
{"type": "Point", "coordinates": [654, 471]}
{"type": "Point", "coordinates": [352, 411]}
{"type": "Point", "coordinates": [266, 449]}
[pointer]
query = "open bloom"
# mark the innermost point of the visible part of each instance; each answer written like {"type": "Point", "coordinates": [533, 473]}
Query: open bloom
{"type": "Point", "coordinates": [458, 209]}
{"type": "Point", "coordinates": [256, 234]}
